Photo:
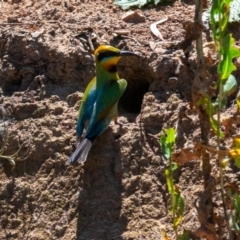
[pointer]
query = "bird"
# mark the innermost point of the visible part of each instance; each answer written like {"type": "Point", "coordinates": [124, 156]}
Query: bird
{"type": "Point", "coordinates": [99, 105]}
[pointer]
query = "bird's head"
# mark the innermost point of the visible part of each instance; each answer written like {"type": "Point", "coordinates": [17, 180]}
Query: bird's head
{"type": "Point", "coordinates": [108, 57]}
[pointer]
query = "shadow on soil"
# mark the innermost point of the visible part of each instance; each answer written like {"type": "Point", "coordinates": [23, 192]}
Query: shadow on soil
{"type": "Point", "coordinates": [100, 201]}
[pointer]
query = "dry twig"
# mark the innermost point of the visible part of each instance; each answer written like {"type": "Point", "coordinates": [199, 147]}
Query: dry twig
{"type": "Point", "coordinates": [155, 31]}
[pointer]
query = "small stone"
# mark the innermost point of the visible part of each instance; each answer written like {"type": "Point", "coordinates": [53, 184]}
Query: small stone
{"type": "Point", "coordinates": [152, 45]}
{"type": "Point", "coordinates": [54, 98]}
{"type": "Point", "coordinates": [133, 17]}
{"type": "Point", "coordinates": [155, 48]}
{"type": "Point", "coordinates": [36, 34]}
{"type": "Point", "coordinates": [58, 110]}
{"type": "Point", "coordinates": [74, 98]}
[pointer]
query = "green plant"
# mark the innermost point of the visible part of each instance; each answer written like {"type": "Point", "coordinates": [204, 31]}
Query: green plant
{"type": "Point", "coordinates": [167, 142]}
{"type": "Point", "coordinates": [9, 158]}
{"type": "Point", "coordinates": [202, 95]}
{"type": "Point", "coordinates": [226, 83]}
{"type": "Point", "coordinates": [15, 156]}
{"type": "Point", "coordinates": [227, 51]}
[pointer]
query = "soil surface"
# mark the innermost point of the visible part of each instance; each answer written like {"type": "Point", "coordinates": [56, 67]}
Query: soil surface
{"type": "Point", "coordinates": [46, 61]}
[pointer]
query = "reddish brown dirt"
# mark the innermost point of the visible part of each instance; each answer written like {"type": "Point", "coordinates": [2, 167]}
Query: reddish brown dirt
{"type": "Point", "coordinates": [120, 192]}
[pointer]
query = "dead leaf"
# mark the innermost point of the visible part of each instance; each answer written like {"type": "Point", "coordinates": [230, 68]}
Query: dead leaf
{"type": "Point", "coordinates": [155, 31]}
{"type": "Point", "coordinates": [185, 155]}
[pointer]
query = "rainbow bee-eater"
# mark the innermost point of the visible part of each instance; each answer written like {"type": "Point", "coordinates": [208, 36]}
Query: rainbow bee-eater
{"type": "Point", "coordinates": [99, 105]}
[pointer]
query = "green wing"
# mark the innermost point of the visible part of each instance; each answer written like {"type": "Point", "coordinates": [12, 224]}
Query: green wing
{"type": "Point", "coordinates": [105, 107]}
{"type": "Point", "coordinates": [86, 107]}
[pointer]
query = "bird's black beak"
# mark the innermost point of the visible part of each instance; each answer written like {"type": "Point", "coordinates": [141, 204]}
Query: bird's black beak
{"type": "Point", "coordinates": [128, 53]}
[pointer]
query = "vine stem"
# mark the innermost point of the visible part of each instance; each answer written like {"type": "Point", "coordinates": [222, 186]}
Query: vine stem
{"type": "Point", "coordinates": [205, 209]}
{"type": "Point", "coordinates": [172, 195]}
{"type": "Point", "coordinates": [222, 32]}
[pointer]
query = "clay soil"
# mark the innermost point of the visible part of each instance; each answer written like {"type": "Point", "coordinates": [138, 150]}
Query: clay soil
{"type": "Point", "coordinates": [46, 62]}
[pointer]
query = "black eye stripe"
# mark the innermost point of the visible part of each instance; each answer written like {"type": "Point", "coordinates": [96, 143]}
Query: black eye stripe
{"type": "Point", "coordinates": [106, 54]}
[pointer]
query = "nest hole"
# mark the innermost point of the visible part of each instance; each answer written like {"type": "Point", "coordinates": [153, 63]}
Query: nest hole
{"type": "Point", "coordinates": [139, 76]}
{"type": "Point", "coordinates": [11, 85]}
{"type": "Point", "coordinates": [131, 100]}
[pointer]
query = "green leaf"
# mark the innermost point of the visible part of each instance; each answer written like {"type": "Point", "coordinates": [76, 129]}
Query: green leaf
{"type": "Point", "coordinates": [225, 162]}
{"type": "Point", "coordinates": [126, 4]}
{"type": "Point", "coordinates": [167, 142]}
{"type": "Point", "coordinates": [229, 87]}
{"type": "Point", "coordinates": [171, 135]}
{"type": "Point", "coordinates": [215, 12]}
{"type": "Point", "coordinates": [225, 9]}
{"type": "Point", "coordinates": [165, 148]}
{"type": "Point", "coordinates": [169, 179]}
{"type": "Point", "coordinates": [229, 52]}
{"type": "Point", "coordinates": [206, 102]}
{"type": "Point", "coordinates": [179, 206]}
{"type": "Point", "coordinates": [174, 166]}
